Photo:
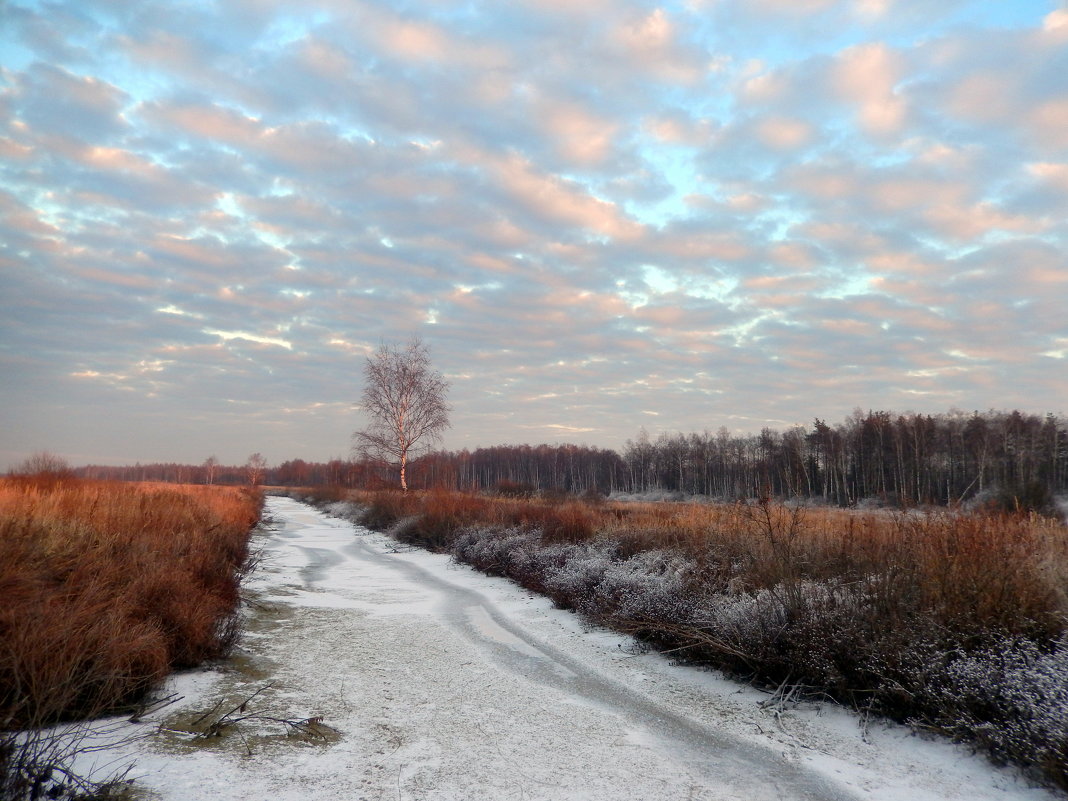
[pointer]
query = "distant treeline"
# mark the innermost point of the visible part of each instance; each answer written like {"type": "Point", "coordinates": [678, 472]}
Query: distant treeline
{"type": "Point", "coordinates": [900, 459]}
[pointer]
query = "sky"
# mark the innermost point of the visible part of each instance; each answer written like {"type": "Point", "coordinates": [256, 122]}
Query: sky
{"type": "Point", "coordinates": [601, 216]}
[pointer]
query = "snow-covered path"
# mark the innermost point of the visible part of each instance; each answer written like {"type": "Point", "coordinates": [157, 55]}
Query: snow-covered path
{"type": "Point", "coordinates": [447, 684]}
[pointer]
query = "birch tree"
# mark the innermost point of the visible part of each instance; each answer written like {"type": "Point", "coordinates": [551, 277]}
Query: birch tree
{"type": "Point", "coordinates": [405, 401]}
{"type": "Point", "coordinates": [211, 465]}
{"type": "Point", "coordinates": [255, 468]}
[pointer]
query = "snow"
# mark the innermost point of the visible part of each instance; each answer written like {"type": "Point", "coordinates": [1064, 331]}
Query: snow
{"type": "Point", "coordinates": [444, 683]}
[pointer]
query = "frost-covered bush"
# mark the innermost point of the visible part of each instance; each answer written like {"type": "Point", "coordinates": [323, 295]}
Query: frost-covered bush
{"type": "Point", "coordinates": [495, 551]}
{"type": "Point", "coordinates": [744, 618]}
{"type": "Point", "coordinates": [573, 571]}
{"type": "Point", "coordinates": [345, 510]}
{"type": "Point", "coordinates": [810, 631]}
{"type": "Point", "coordinates": [649, 587]}
{"type": "Point", "coordinates": [1011, 699]}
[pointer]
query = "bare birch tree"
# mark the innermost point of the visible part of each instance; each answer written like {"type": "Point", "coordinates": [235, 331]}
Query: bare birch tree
{"type": "Point", "coordinates": [255, 468]}
{"type": "Point", "coordinates": [211, 464]}
{"type": "Point", "coordinates": [404, 397]}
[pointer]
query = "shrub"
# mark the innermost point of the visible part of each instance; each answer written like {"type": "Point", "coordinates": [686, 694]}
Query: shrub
{"type": "Point", "coordinates": [387, 507]}
{"type": "Point", "coordinates": [1030, 496]}
{"type": "Point", "coordinates": [444, 513]}
{"type": "Point", "coordinates": [330, 493]}
{"type": "Point", "coordinates": [1012, 699]}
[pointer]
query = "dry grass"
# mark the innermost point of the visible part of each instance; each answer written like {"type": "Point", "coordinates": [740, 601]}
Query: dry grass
{"type": "Point", "coordinates": [108, 586]}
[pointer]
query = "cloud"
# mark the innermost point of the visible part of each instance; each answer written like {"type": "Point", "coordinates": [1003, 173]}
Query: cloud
{"type": "Point", "coordinates": [581, 137]}
{"type": "Point", "coordinates": [652, 43]}
{"type": "Point", "coordinates": [49, 97]}
{"type": "Point", "coordinates": [783, 133]}
{"type": "Point", "coordinates": [1049, 123]}
{"type": "Point", "coordinates": [867, 75]}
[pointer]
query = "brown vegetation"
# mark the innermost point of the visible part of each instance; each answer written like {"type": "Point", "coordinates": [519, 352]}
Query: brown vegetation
{"type": "Point", "coordinates": [977, 573]}
{"type": "Point", "coordinates": [106, 587]}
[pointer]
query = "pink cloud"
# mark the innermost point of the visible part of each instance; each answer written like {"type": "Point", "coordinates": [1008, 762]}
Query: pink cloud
{"type": "Point", "coordinates": [843, 235]}
{"type": "Point", "coordinates": [793, 7]}
{"type": "Point", "coordinates": [211, 122]}
{"type": "Point", "coordinates": [794, 283]}
{"type": "Point", "coordinates": [796, 255]}
{"type": "Point", "coordinates": [851, 327]}
{"type": "Point", "coordinates": [824, 181]}
{"type": "Point", "coordinates": [867, 75]}
{"type": "Point", "coordinates": [651, 44]}
{"type": "Point", "coordinates": [415, 41]}
{"type": "Point", "coordinates": [580, 136]}
{"type": "Point", "coordinates": [702, 245]}
{"type": "Point", "coordinates": [784, 133]}
{"type": "Point", "coordinates": [967, 223]}
{"type": "Point", "coordinates": [904, 262]}
{"type": "Point", "coordinates": [563, 201]}
{"type": "Point", "coordinates": [113, 158]}
{"type": "Point", "coordinates": [679, 129]}
{"type": "Point", "coordinates": [986, 96]}
{"type": "Point", "coordinates": [424, 41]}
{"type": "Point", "coordinates": [1055, 25]}
{"type": "Point", "coordinates": [764, 87]}
{"type": "Point", "coordinates": [14, 151]}
{"type": "Point", "coordinates": [325, 59]}
{"type": "Point", "coordinates": [162, 48]}
{"type": "Point", "coordinates": [1049, 123]}
{"type": "Point", "coordinates": [914, 291]}
{"type": "Point", "coordinates": [25, 218]}
{"type": "Point", "coordinates": [900, 193]}
{"type": "Point", "coordinates": [1053, 174]}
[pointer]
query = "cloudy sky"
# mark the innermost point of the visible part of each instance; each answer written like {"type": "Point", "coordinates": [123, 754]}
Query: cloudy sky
{"type": "Point", "coordinates": [601, 215]}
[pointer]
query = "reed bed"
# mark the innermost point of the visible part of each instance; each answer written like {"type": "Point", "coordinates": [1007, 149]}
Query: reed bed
{"type": "Point", "coordinates": [106, 588]}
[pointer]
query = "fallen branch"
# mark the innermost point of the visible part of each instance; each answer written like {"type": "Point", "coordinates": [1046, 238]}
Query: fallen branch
{"type": "Point", "coordinates": [311, 727]}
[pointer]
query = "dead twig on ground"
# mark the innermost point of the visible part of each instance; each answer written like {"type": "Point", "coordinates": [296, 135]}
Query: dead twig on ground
{"type": "Point", "coordinates": [234, 719]}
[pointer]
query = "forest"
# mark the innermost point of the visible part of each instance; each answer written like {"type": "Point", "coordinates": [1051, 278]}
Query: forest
{"type": "Point", "coordinates": [870, 457]}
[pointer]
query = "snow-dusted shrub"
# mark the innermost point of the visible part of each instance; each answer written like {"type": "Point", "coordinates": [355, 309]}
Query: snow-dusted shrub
{"type": "Point", "coordinates": [744, 618]}
{"type": "Point", "coordinates": [649, 587]}
{"type": "Point", "coordinates": [345, 510]}
{"type": "Point", "coordinates": [1011, 699]}
{"type": "Point", "coordinates": [1060, 502]}
{"type": "Point", "coordinates": [589, 577]}
{"type": "Point", "coordinates": [573, 571]}
{"type": "Point", "coordinates": [492, 550]}
{"type": "Point", "coordinates": [386, 508]}
{"type": "Point", "coordinates": [812, 631]}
